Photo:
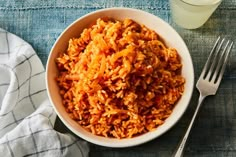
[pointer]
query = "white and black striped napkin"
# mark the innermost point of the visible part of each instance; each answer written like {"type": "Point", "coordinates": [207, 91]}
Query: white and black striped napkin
{"type": "Point", "coordinates": [26, 116]}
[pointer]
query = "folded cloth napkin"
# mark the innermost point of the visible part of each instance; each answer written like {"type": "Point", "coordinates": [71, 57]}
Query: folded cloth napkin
{"type": "Point", "coordinates": [26, 116]}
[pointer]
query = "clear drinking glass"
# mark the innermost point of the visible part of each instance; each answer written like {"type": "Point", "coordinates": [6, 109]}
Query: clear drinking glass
{"type": "Point", "coordinates": [191, 14]}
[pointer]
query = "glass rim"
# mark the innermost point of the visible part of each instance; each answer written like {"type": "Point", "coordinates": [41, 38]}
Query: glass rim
{"type": "Point", "coordinates": [216, 2]}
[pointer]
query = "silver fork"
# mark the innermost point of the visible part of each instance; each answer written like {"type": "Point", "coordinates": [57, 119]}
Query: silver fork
{"type": "Point", "coordinates": [209, 80]}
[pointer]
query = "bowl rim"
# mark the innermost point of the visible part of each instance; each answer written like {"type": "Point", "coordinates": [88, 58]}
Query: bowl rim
{"type": "Point", "coordinates": [130, 141]}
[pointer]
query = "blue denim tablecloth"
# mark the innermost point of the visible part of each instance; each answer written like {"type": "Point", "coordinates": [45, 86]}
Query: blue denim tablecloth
{"type": "Point", "coordinates": [214, 133]}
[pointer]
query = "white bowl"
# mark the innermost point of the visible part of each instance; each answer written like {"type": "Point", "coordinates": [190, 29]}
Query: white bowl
{"type": "Point", "coordinates": [171, 38]}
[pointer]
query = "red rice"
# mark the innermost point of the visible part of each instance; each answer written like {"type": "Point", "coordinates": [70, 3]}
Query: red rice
{"type": "Point", "coordinates": [118, 79]}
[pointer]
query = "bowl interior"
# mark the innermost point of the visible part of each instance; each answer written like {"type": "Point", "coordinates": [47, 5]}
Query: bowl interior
{"type": "Point", "coordinates": [171, 38]}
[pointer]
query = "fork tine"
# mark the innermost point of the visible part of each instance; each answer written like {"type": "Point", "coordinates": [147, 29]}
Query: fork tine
{"type": "Point", "coordinates": [228, 49]}
{"type": "Point", "coordinates": [220, 62]}
{"type": "Point", "coordinates": [214, 60]}
{"type": "Point", "coordinates": [204, 70]}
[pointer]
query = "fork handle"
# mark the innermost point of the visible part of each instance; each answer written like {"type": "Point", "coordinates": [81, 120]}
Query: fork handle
{"type": "Point", "coordinates": [180, 149]}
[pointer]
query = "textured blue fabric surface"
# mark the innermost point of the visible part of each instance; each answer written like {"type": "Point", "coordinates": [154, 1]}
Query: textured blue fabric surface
{"type": "Point", "coordinates": [214, 133]}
